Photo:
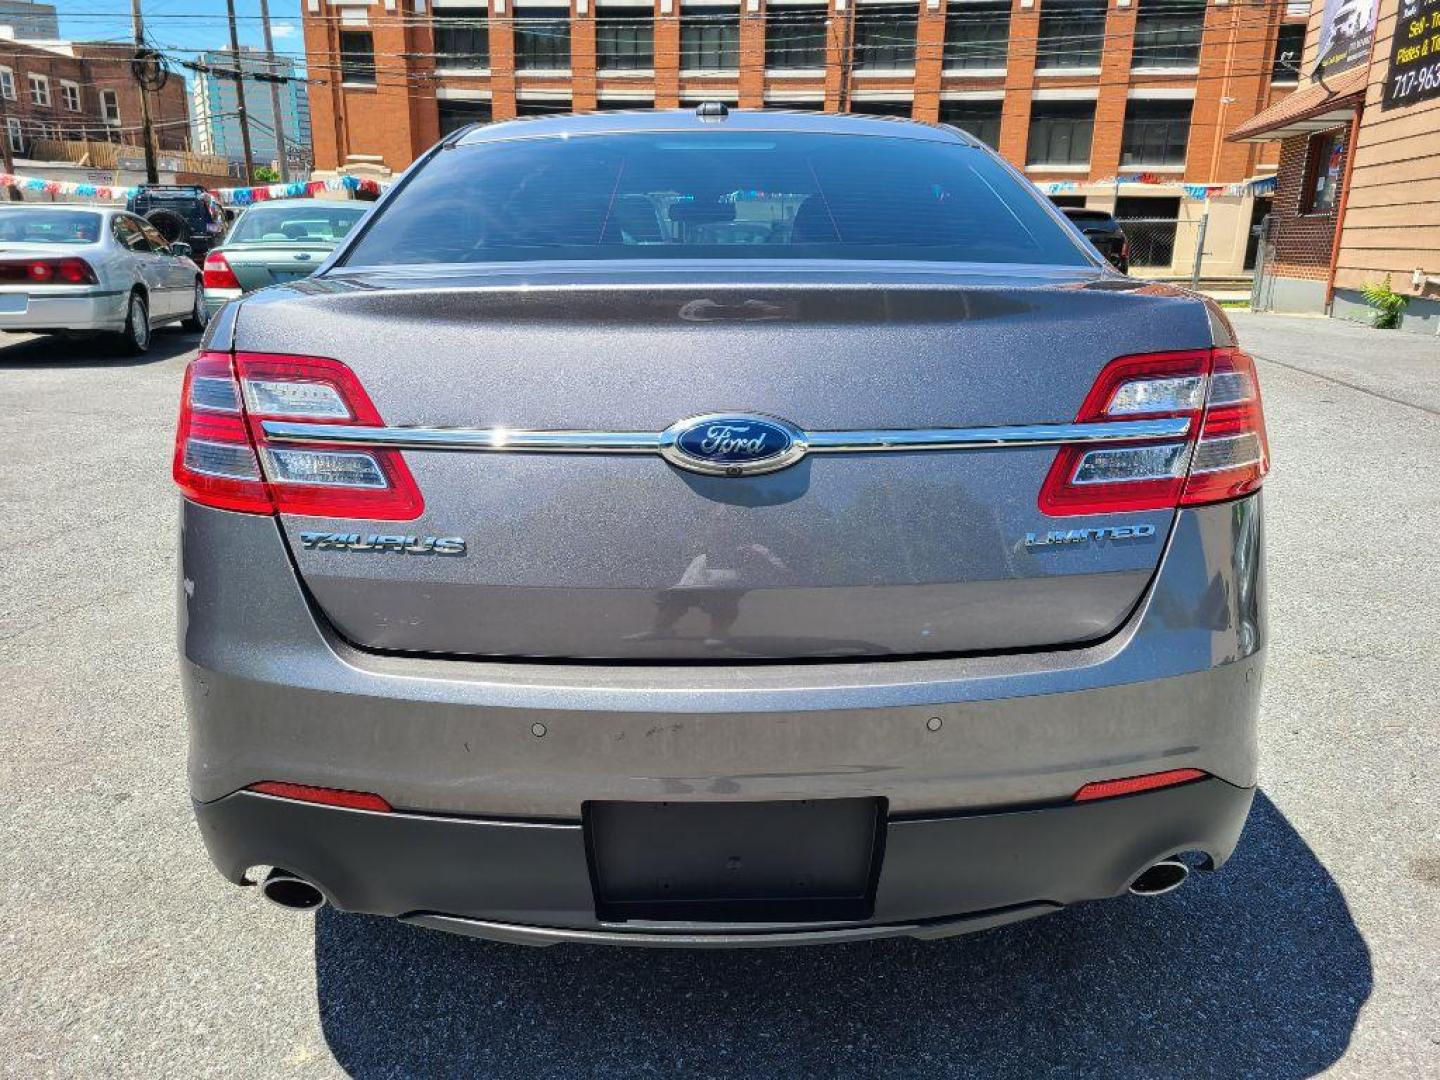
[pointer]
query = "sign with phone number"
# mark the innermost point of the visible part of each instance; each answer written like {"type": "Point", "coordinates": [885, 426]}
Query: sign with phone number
{"type": "Point", "coordinates": [1415, 55]}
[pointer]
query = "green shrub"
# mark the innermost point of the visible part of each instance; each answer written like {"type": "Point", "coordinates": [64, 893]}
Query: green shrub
{"type": "Point", "coordinates": [1388, 304]}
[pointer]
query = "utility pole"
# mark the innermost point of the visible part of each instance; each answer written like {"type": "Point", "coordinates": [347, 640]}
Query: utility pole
{"type": "Point", "coordinates": [280, 153]}
{"type": "Point", "coordinates": [5, 153]}
{"type": "Point", "coordinates": [147, 130]}
{"type": "Point", "coordinates": [239, 77]}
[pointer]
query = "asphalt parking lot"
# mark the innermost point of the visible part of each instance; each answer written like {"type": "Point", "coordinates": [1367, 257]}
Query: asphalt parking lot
{"type": "Point", "coordinates": [1317, 947]}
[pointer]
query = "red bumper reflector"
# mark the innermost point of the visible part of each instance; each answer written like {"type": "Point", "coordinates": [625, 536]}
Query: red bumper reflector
{"type": "Point", "coordinates": [1108, 789]}
{"type": "Point", "coordinates": [351, 800]}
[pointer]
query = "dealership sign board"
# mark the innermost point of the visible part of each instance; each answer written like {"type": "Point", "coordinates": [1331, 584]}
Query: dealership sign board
{"type": "Point", "coordinates": [1414, 73]}
{"type": "Point", "coordinates": [1346, 34]}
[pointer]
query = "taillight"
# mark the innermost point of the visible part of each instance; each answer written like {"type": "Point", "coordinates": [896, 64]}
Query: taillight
{"type": "Point", "coordinates": [215, 463]}
{"type": "Point", "coordinates": [1232, 455]}
{"type": "Point", "coordinates": [1223, 454]}
{"type": "Point", "coordinates": [69, 270]}
{"type": "Point", "coordinates": [223, 457]}
{"type": "Point", "coordinates": [218, 274]}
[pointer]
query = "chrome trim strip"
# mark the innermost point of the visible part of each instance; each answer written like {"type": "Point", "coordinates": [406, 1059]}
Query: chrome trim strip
{"type": "Point", "coordinates": [497, 440]}
{"type": "Point", "coordinates": [982, 438]}
{"type": "Point", "coordinates": [501, 440]}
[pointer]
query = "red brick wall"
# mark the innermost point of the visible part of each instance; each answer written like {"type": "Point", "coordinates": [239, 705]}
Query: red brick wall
{"type": "Point", "coordinates": [1303, 242]}
{"type": "Point", "coordinates": [397, 119]}
{"type": "Point", "coordinates": [93, 68]}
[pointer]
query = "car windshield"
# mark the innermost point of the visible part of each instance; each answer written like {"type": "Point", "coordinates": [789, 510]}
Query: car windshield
{"type": "Point", "coordinates": [708, 195]}
{"type": "Point", "coordinates": [49, 226]}
{"type": "Point", "coordinates": [312, 223]}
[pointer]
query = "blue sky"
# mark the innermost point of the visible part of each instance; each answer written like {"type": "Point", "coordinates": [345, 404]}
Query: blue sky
{"type": "Point", "coordinates": [182, 26]}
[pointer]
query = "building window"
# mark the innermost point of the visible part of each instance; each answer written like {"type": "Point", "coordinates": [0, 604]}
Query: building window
{"type": "Point", "coordinates": [39, 90]}
{"type": "Point", "coordinates": [1289, 47]}
{"type": "Point", "coordinates": [885, 37]}
{"type": "Point", "coordinates": [622, 104]}
{"type": "Point", "coordinates": [70, 96]}
{"type": "Point", "coordinates": [7, 83]}
{"type": "Point", "coordinates": [709, 38]}
{"type": "Point", "coordinates": [1060, 133]}
{"type": "Point", "coordinates": [1072, 34]}
{"type": "Point", "coordinates": [462, 39]}
{"type": "Point", "coordinates": [455, 115]}
{"type": "Point", "coordinates": [542, 107]}
{"type": "Point", "coordinates": [795, 37]}
{"type": "Point", "coordinates": [1325, 159]}
{"type": "Point", "coordinates": [110, 107]}
{"type": "Point", "coordinates": [1156, 132]}
{"type": "Point", "coordinates": [1150, 224]}
{"type": "Point", "coordinates": [883, 107]}
{"type": "Point", "coordinates": [977, 36]}
{"type": "Point", "coordinates": [16, 135]}
{"type": "Point", "coordinates": [1167, 34]}
{"type": "Point", "coordinates": [542, 39]}
{"type": "Point", "coordinates": [624, 39]}
{"type": "Point", "coordinates": [357, 57]}
{"type": "Point", "coordinates": [978, 118]}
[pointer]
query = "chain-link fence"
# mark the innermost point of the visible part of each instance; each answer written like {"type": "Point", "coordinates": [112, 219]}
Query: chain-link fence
{"type": "Point", "coordinates": [1262, 288]}
{"type": "Point", "coordinates": [1166, 247]}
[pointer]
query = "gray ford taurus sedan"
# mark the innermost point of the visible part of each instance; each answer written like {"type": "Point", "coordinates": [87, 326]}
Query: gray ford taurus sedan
{"type": "Point", "coordinates": [719, 528]}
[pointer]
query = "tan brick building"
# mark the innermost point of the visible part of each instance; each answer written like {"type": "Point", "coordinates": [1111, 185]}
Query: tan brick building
{"type": "Point", "coordinates": [1358, 194]}
{"type": "Point", "coordinates": [1076, 92]}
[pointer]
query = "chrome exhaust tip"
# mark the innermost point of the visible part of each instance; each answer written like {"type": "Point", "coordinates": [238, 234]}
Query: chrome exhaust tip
{"type": "Point", "coordinates": [286, 890]}
{"type": "Point", "coordinates": [1165, 876]}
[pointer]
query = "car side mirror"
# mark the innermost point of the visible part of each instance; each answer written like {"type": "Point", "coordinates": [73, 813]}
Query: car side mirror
{"type": "Point", "coordinates": [182, 249]}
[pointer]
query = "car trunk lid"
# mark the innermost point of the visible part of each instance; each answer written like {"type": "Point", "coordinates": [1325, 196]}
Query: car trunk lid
{"type": "Point", "coordinates": [625, 556]}
{"type": "Point", "coordinates": [257, 266]}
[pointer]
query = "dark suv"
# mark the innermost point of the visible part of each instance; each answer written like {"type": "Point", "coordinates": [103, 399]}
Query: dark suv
{"type": "Point", "coordinates": [1102, 230]}
{"type": "Point", "coordinates": [183, 213]}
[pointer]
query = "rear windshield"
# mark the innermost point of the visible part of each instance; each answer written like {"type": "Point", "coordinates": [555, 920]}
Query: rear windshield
{"type": "Point", "coordinates": [714, 195]}
{"type": "Point", "coordinates": [49, 227]}
{"type": "Point", "coordinates": [312, 223]}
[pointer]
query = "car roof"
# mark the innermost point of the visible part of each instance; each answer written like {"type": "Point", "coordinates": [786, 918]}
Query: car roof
{"type": "Point", "coordinates": [94, 208]}
{"type": "Point", "coordinates": [770, 120]}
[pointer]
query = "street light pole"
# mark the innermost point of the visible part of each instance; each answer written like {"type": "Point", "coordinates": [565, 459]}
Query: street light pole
{"type": "Point", "coordinates": [239, 78]}
{"type": "Point", "coordinates": [280, 153]}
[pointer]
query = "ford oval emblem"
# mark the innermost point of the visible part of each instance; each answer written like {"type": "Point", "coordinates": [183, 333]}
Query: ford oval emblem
{"type": "Point", "coordinates": [732, 444]}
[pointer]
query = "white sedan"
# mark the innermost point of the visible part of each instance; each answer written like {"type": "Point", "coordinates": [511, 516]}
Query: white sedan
{"type": "Point", "coordinates": [94, 269]}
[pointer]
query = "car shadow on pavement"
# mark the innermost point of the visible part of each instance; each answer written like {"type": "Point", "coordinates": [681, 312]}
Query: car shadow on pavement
{"type": "Point", "coordinates": [87, 352]}
{"type": "Point", "coordinates": [1257, 970]}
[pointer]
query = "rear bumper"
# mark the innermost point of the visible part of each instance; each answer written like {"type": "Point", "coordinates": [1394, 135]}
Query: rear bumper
{"type": "Point", "coordinates": [90, 311]}
{"type": "Point", "coordinates": [530, 882]}
{"type": "Point", "coordinates": [273, 694]}
{"type": "Point", "coordinates": [491, 764]}
{"type": "Point", "coordinates": [215, 299]}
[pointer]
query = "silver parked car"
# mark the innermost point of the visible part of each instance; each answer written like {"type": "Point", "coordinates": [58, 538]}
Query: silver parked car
{"type": "Point", "coordinates": [275, 242]}
{"type": "Point", "coordinates": [719, 528]}
{"type": "Point", "coordinates": [93, 269]}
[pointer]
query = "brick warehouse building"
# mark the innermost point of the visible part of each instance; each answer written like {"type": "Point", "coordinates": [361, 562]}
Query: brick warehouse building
{"type": "Point", "coordinates": [1077, 92]}
{"type": "Point", "coordinates": [82, 91]}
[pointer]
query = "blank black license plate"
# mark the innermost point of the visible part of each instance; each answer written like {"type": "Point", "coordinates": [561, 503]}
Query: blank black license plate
{"type": "Point", "coordinates": [792, 861]}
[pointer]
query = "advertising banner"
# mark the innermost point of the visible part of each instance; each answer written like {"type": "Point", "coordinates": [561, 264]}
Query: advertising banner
{"type": "Point", "coordinates": [1414, 73]}
{"type": "Point", "coordinates": [1346, 34]}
